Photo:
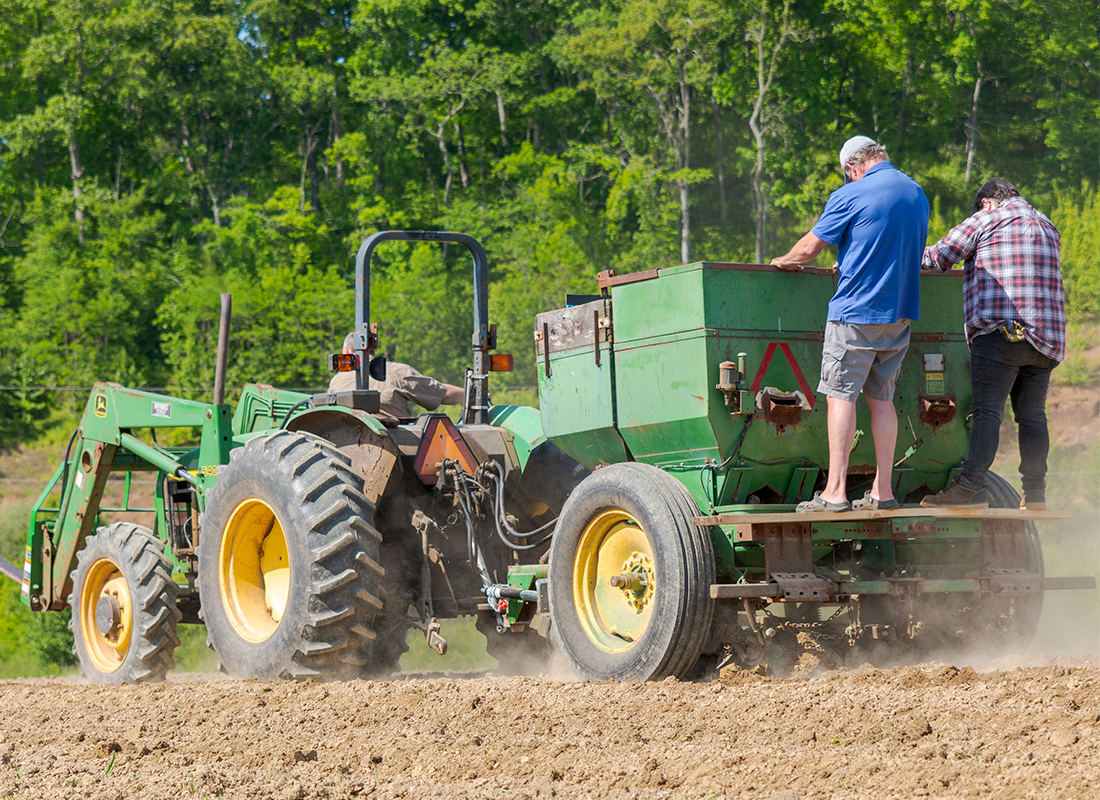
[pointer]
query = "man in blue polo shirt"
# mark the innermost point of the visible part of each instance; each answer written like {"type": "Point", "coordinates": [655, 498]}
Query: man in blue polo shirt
{"type": "Point", "coordinates": [879, 221]}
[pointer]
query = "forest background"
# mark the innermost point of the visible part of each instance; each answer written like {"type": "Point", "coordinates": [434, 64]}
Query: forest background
{"type": "Point", "coordinates": [155, 153]}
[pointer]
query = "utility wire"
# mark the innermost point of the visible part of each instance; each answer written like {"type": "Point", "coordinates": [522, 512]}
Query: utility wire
{"type": "Point", "coordinates": [310, 389]}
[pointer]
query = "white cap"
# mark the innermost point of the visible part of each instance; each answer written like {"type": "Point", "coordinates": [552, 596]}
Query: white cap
{"type": "Point", "coordinates": [853, 146]}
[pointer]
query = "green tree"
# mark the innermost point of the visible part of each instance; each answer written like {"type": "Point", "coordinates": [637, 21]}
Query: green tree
{"type": "Point", "coordinates": [93, 52]}
{"type": "Point", "coordinates": [290, 307]}
{"type": "Point", "coordinates": [657, 53]}
{"type": "Point", "coordinates": [88, 309]}
{"type": "Point", "coordinates": [212, 129]}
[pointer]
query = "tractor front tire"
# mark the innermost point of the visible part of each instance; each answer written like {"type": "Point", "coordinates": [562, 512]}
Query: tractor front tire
{"type": "Point", "coordinates": [124, 611]}
{"type": "Point", "coordinates": [288, 562]}
{"type": "Point", "coordinates": [634, 523]}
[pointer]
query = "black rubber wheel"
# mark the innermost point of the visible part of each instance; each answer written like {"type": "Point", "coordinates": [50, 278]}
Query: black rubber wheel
{"type": "Point", "coordinates": [124, 607]}
{"type": "Point", "coordinates": [525, 654]}
{"type": "Point", "coordinates": [1012, 624]}
{"type": "Point", "coordinates": [288, 562]}
{"type": "Point", "coordinates": [990, 624]}
{"type": "Point", "coordinates": [635, 523]}
{"type": "Point", "coordinates": [392, 623]}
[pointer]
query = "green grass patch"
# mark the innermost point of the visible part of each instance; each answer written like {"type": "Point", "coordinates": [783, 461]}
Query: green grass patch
{"type": "Point", "coordinates": [193, 655]}
{"type": "Point", "coordinates": [465, 649]}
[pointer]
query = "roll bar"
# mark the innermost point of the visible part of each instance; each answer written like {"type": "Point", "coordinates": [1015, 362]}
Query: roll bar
{"type": "Point", "coordinates": [476, 403]}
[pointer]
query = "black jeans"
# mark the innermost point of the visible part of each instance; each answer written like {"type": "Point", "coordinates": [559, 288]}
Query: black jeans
{"type": "Point", "coordinates": [1000, 369]}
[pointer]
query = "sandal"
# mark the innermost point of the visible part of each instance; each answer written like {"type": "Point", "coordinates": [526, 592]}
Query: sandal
{"type": "Point", "coordinates": [817, 504]}
{"type": "Point", "coordinates": [868, 503]}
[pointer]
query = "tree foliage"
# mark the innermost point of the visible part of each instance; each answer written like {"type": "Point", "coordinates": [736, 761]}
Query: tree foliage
{"type": "Point", "coordinates": [154, 154]}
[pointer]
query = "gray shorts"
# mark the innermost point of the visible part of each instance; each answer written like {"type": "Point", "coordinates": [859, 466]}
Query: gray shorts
{"type": "Point", "coordinates": [863, 358]}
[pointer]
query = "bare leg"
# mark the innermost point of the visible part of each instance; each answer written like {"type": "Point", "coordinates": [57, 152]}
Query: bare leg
{"type": "Point", "coordinates": [884, 430]}
{"type": "Point", "coordinates": [842, 427]}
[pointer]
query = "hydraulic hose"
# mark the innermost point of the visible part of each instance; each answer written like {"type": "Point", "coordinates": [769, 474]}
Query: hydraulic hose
{"type": "Point", "coordinates": [293, 408]}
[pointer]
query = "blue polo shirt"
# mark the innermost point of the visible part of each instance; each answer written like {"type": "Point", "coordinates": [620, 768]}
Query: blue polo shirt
{"type": "Point", "coordinates": [880, 223]}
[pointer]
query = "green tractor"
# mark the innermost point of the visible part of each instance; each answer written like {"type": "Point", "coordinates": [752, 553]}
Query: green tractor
{"type": "Point", "coordinates": [640, 522]}
{"type": "Point", "coordinates": [305, 533]}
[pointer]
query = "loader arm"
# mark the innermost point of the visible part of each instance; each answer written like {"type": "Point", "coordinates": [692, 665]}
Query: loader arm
{"type": "Point", "coordinates": [102, 444]}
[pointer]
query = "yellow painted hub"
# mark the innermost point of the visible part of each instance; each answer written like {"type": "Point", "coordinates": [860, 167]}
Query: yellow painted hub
{"type": "Point", "coordinates": [612, 545]}
{"type": "Point", "coordinates": [105, 584]}
{"type": "Point", "coordinates": [254, 570]}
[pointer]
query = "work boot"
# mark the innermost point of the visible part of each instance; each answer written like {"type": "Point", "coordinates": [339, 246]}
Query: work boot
{"type": "Point", "coordinates": [957, 496]}
{"type": "Point", "coordinates": [1034, 500]}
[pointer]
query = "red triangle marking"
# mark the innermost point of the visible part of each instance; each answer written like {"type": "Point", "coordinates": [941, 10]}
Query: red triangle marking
{"type": "Point", "coordinates": [766, 361]}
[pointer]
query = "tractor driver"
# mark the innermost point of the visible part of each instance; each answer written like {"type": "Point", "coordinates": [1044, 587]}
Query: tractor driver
{"type": "Point", "coordinates": [403, 385]}
{"type": "Point", "coordinates": [879, 221]}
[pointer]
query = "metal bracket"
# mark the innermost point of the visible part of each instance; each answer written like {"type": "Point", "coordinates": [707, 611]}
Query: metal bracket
{"type": "Point", "coordinates": [909, 586]}
{"type": "Point", "coordinates": [788, 547]}
{"type": "Point", "coordinates": [546, 348]}
{"type": "Point", "coordinates": [542, 586]}
{"type": "Point", "coordinates": [596, 335]}
{"type": "Point", "coordinates": [804, 587]}
{"type": "Point", "coordinates": [1014, 582]}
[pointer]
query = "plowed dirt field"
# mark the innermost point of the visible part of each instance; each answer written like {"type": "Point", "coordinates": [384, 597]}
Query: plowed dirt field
{"type": "Point", "coordinates": [916, 731]}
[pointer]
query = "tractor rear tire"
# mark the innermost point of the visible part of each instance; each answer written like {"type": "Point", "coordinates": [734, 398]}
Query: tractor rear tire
{"type": "Point", "coordinates": [634, 522]}
{"type": "Point", "coordinates": [124, 611]}
{"type": "Point", "coordinates": [288, 562]}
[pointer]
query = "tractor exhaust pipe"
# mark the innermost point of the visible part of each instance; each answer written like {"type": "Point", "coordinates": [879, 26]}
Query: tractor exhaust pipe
{"type": "Point", "coordinates": [223, 349]}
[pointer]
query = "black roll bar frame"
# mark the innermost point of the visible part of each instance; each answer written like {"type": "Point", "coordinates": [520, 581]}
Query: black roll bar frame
{"type": "Point", "coordinates": [475, 408]}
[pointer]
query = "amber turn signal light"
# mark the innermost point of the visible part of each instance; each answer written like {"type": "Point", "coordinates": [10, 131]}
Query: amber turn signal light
{"type": "Point", "coordinates": [501, 362]}
{"type": "Point", "coordinates": [343, 362]}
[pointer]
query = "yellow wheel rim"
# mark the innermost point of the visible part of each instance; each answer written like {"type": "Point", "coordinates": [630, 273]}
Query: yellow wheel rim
{"type": "Point", "coordinates": [614, 580]}
{"type": "Point", "coordinates": [254, 570]}
{"type": "Point", "coordinates": [108, 637]}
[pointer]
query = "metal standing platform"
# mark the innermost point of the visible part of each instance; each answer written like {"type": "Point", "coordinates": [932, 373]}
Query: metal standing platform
{"type": "Point", "coordinates": [789, 538]}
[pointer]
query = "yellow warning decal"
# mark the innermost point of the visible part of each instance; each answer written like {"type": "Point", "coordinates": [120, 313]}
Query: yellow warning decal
{"type": "Point", "coordinates": [934, 383]}
{"type": "Point", "coordinates": [100, 406]}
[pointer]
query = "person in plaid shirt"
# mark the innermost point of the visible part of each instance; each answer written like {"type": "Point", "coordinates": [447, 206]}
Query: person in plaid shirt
{"type": "Point", "coordinates": [1016, 328]}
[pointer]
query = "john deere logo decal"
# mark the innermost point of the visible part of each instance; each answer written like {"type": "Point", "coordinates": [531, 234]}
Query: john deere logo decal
{"type": "Point", "coordinates": [101, 405]}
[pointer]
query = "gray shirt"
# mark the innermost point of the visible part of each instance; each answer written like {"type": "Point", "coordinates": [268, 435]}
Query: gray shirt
{"type": "Point", "coordinates": [403, 385]}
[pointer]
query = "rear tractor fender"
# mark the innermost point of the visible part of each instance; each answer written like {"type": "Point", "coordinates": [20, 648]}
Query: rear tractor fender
{"type": "Point", "coordinates": [364, 440]}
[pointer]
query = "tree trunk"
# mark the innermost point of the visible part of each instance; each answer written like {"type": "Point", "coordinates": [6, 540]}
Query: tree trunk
{"type": "Point", "coordinates": [314, 179]}
{"type": "Point", "coordinates": [302, 176]}
{"type": "Point", "coordinates": [972, 127]}
{"type": "Point", "coordinates": [761, 121]}
{"type": "Point", "coordinates": [903, 109]}
{"type": "Point", "coordinates": [685, 148]}
{"type": "Point", "coordinates": [77, 168]}
{"type": "Point", "coordinates": [759, 199]}
{"type": "Point", "coordinates": [448, 170]}
{"type": "Point", "coordinates": [685, 223]}
{"type": "Point", "coordinates": [463, 174]}
{"type": "Point", "coordinates": [337, 132]}
{"type": "Point", "coordinates": [719, 171]}
{"type": "Point", "coordinates": [40, 87]}
{"type": "Point", "coordinates": [481, 172]}
{"type": "Point", "coordinates": [215, 207]}
{"type": "Point", "coordinates": [503, 121]}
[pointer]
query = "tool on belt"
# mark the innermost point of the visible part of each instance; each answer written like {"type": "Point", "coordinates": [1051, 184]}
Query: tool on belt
{"type": "Point", "coordinates": [1013, 331]}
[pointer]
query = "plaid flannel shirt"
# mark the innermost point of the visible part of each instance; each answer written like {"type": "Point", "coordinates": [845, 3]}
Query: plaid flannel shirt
{"type": "Point", "coordinates": [1010, 273]}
